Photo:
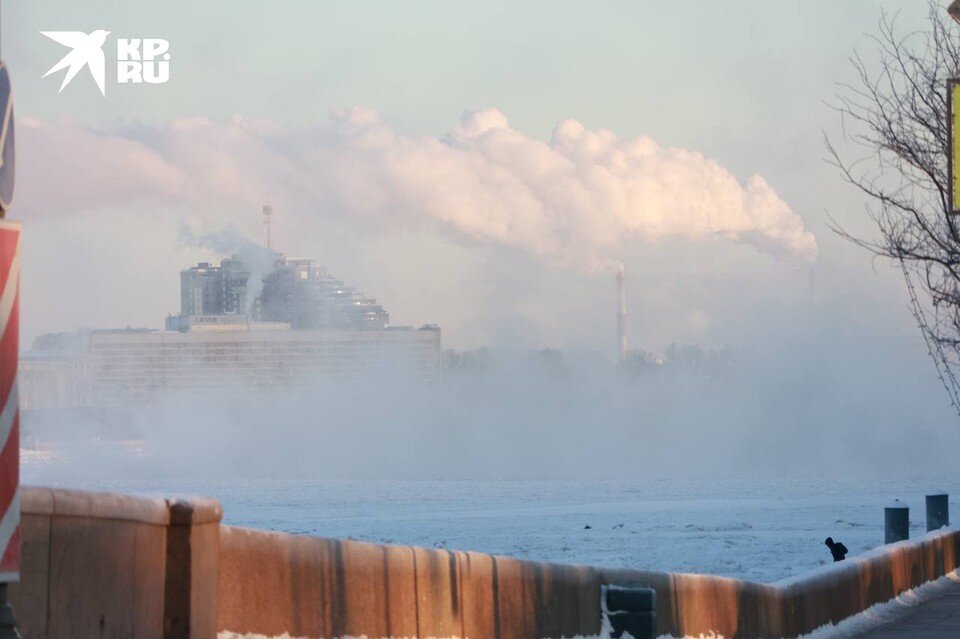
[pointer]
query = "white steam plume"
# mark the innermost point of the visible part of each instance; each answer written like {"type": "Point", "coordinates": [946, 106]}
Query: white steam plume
{"type": "Point", "coordinates": [258, 260]}
{"type": "Point", "coordinates": [572, 200]}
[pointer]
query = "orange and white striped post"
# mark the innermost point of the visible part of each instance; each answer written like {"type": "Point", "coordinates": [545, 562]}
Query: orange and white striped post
{"type": "Point", "coordinates": [9, 352]}
{"type": "Point", "coordinates": [9, 402]}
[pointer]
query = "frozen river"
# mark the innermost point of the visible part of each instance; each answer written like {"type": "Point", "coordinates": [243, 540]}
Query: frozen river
{"type": "Point", "coordinates": [758, 530]}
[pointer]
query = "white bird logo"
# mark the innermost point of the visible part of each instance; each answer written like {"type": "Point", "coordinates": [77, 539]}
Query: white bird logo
{"type": "Point", "coordinates": [87, 52]}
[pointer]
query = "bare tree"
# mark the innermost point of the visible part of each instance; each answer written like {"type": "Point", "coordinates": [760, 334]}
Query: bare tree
{"type": "Point", "coordinates": [897, 113]}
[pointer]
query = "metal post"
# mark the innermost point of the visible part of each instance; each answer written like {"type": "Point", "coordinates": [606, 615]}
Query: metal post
{"type": "Point", "coordinates": [896, 522]}
{"type": "Point", "coordinates": [8, 626]}
{"type": "Point", "coordinates": [938, 511]}
{"type": "Point", "coordinates": [631, 609]}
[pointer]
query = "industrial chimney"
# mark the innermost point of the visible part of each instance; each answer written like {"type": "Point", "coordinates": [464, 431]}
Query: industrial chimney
{"type": "Point", "coordinates": [267, 221]}
{"type": "Point", "coordinates": [621, 315]}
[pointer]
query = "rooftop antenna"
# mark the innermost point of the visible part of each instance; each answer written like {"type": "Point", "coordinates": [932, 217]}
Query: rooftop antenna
{"type": "Point", "coordinates": [267, 214]}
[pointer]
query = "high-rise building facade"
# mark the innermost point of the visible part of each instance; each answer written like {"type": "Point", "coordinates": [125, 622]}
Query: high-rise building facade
{"type": "Point", "coordinates": [296, 291]}
{"type": "Point", "coordinates": [200, 290]}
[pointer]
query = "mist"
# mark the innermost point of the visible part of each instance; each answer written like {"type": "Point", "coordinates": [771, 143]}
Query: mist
{"type": "Point", "coordinates": [544, 414]}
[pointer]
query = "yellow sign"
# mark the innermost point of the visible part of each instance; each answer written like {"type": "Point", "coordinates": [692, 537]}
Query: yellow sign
{"type": "Point", "coordinates": [954, 164]}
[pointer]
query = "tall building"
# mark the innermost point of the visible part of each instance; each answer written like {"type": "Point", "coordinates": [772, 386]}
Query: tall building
{"type": "Point", "coordinates": [302, 293]}
{"type": "Point", "coordinates": [234, 285]}
{"type": "Point", "coordinates": [296, 291]}
{"type": "Point", "coordinates": [200, 290]}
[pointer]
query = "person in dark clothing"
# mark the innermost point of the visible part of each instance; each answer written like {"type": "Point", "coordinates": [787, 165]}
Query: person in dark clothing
{"type": "Point", "coordinates": [837, 549]}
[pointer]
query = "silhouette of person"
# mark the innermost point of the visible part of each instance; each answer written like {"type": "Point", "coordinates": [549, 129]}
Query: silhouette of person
{"type": "Point", "coordinates": [837, 549]}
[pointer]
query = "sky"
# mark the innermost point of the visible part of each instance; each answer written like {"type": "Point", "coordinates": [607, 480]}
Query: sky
{"type": "Point", "coordinates": [450, 159]}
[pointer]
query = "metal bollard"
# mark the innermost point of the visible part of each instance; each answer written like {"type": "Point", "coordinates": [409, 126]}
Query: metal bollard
{"type": "Point", "coordinates": [938, 511]}
{"type": "Point", "coordinates": [8, 626]}
{"type": "Point", "coordinates": [896, 522]}
{"type": "Point", "coordinates": [631, 608]}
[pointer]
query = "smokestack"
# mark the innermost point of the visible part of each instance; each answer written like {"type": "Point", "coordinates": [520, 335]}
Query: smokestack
{"type": "Point", "coordinates": [621, 315]}
{"type": "Point", "coordinates": [267, 215]}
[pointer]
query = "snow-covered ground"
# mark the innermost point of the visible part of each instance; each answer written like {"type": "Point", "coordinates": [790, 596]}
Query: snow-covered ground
{"type": "Point", "coordinates": [761, 530]}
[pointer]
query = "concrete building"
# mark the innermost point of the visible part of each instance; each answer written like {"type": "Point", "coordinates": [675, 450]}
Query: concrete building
{"type": "Point", "coordinates": [200, 290]}
{"type": "Point", "coordinates": [297, 291]}
{"type": "Point", "coordinates": [59, 380]}
{"type": "Point", "coordinates": [234, 280]}
{"type": "Point", "coordinates": [121, 367]}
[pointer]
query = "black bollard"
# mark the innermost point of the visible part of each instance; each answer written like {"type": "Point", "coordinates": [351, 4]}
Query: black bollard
{"type": "Point", "coordinates": [8, 627]}
{"type": "Point", "coordinates": [631, 609]}
{"type": "Point", "coordinates": [938, 511]}
{"type": "Point", "coordinates": [896, 522]}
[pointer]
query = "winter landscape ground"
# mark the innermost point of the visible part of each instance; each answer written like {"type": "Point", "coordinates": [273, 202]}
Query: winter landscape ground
{"type": "Point", "coordinates": [758, 530]}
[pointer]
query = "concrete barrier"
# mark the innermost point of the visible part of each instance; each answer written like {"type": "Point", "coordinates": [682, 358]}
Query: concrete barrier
{"type": "Point", "coordinates": [273, 583]}
{"type": "Point", "coordinates": [100, 565]}
{"type": "Point", "coordinates": [192, 568]}
{"type": "Point", "coordinates": [308, 586]}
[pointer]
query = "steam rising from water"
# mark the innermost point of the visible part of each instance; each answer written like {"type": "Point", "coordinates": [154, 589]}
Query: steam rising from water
{"type": "Point", "coordinates": [548, 415]}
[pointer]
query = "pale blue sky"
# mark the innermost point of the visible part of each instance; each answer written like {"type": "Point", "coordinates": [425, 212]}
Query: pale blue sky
{"type": "Point", "coordinates": [632, 67]}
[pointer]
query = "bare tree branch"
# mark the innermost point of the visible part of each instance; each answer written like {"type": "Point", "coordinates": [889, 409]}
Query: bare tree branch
{"type": "Point", "coordinates": [898, 115]}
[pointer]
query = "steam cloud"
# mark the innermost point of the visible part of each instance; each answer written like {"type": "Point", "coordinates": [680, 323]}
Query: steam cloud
{"type": "Point", "coordinates": [572, 200]}
{"type": "Point", "coordinates": [258, 260]}
{"type": "Point", "coordinates": [779, 413]}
